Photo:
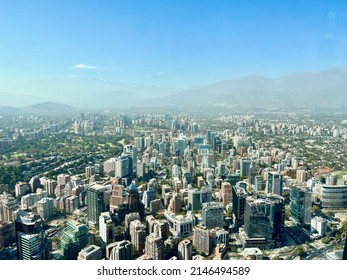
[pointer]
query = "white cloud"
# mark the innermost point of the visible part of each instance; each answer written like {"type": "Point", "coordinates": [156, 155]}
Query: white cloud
{"type": "Point", "coordinates": [83, 66]}
{"type": "Point", "coordinates": [160, 73]}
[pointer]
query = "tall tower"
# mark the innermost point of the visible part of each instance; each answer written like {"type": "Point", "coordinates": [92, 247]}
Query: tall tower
{"type": "Point", "coordinates": [264, 218]}
{"type": "Point", "coordinates": [95, 203]}
{"type": "Point", "coordinates": [300, 205]}
{"type": "Point", "coordinates": [274, 183]}
{"type": "Point", "coordinates": [154, 247]}
{"type": "Point", "coordinates": [213, 214]}
{"type": "Point", "coordinates": [32, 243]}
{"type": "Point", "coordinates": [133, 198]}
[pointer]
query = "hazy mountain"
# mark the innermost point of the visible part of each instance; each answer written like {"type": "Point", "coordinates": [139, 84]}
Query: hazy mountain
{"type": "Point", "coordinates": [326, 88]}
{"type": "Point", "coordinates": [47, 107]}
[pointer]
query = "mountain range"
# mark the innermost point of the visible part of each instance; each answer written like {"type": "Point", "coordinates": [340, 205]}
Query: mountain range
{"type": "Point", "coordinates": [305, 89]}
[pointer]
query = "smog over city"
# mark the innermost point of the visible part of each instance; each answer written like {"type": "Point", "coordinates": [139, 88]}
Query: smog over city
{"type": "Point", "coordinates": [173, 130]}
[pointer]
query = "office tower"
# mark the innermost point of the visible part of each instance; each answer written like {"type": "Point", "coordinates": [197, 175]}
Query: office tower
{"type": "Point", "coordinates": [226, 194]}
{"type": "Point", "coordinates": [89, 171]}
{"type": "Point", "coordinates": [95, 203]}
{"type": "Point", "coordinates": [155, 206]}
{"type": "Point", "coordinates": [131, 151]}
{"type": "Point", "coordinates": [185, 250]}
{"type": "Point", "coordinates": [247, 167]}
{"type": "Point", "coordinates": [239, 201]}
{"type": "Point", "coordinates": [116, 198]}
{"type": "Point", "coordinates": [32, 243]}
{"type": "Point", "coordinates": [179, 145]}
{"type": "Point", "coordinates": [202, 240]}
{"type": "Point", "coordinates": [175, 204]}
{"type": "Point", "coordinates": [133, 199]}
{"type": "Point", "coordinates": [259, 183]}
{"type": "Point", "coordinates": [205, 194]}
{"type": "Point", "coordinates": [35, 184]}
{"type": "Point", "coordinates": [45, 208]}
{"type": "Point", "coordinates": [8, 205]}
{"type": "Point", "coordinates": [300, 205]}
{"type": "Point", "coordinates": [91, 252]}
{"type": "Point", "coordinates": [122, 250]}
{"type": "Point", "coordinates": [74, 238]}
{"type": "Point", "coordinates": [137, 235]}
{"type": "Point", "coordinates": [264, 218]}
{"type": "Point", "coordinates": [148, 196]}
{"type": "Point", "coordinates": [140, 169]}
{"type": "Point", "coordinates": [7, 233]}
{"type": "Point", "coordinates": [107, 227]}
{"type": "Point", "coordinates": [274, 183]}
{"type": "Point", "coordinates": [123, 166]}
{"type": "Point", "coordinates": [154, 247]}
{"type": "Point", "coordinates": [213, 214]}
{"type": "Point", "coordinates": [194, 203]}
{"type": "Point", "coordinates": [331, 179]}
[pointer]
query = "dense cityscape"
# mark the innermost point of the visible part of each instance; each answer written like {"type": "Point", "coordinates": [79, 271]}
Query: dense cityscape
{"type": "Point", "coordinates": [214, 184]}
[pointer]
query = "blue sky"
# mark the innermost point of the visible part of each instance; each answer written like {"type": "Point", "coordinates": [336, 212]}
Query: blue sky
{"type": "Point", "coordinates": [178, 43]}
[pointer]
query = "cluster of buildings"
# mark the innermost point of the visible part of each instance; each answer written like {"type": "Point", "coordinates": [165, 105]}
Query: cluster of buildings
{"type": "Point", "coordinates": [178, 193]}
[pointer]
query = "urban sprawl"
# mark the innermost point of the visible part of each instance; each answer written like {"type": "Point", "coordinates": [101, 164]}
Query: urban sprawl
{"type": "Point", "coordinates": [179, 186]}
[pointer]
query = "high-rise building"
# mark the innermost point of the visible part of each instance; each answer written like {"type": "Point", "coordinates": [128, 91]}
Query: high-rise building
{"type": "Point", "coordinates": [122, 250]}
{"type": "Point", "coordinates": [91, 252]}
{"type": "Point", "coordinates": [148, 196]}
{"type": "Point", "coordinates": [63, 179]}
{"type": "Point", "coordinates": [274, 183]}
{"type": "Point", "coordinates": [8, 205]}
{"type": "Point", "coordinates": [45, 208]}
{"type": "Point", "coordinates": [133, 198]}
{"type": "Point", "coordinates": [21, 188]}
{"type": "Point", "coordinates": [185, 249]}
{"type": "Point", "coordinates": [264, 218]}
{"type": "Point", "coordinates": [123, 166]}
{"type": "Point", "coordinates": [74, 238]}
{"type": "Point", "coordinates": [154, 247]}
{"type": "Point", "coordinates": [213, 214]}
{"type": "Point", "coordinates": [35, 184]}
{"type": "Point", "coordinates": [180, 226]}
{"type": "Point", "coordinates": [95, 203]}
{"type": "Point", "coordinates": [138, 235]}
{"type": "Point", "coordinates": [7, 234]}
{"type": "Point", "coordinates": [32, 243]}
{"type": "Point", "coordinates": [239, 201]}
{"type": "Point", "coordinates": [194, 203]}
{"type": "Point", "coordinates": [107, 227]}
{"type": "Point", "coordinates": [202, 239]}
{"type": "Point", "coordinates": [226, 194]}
{"type": "Point", "coordinates": [175, 204]}
{"type": "Point", "coordinates": [131, 151]}
{"type": "Point", "coordinates": [300, 205]}
{"type": "Point", "coordinates": [116, 197]}
{"type": "Point", "coordinates": [205, 194]}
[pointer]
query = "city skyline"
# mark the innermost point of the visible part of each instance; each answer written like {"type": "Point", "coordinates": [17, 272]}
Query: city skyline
{"type": "Point", "coordinates": [60, 49]}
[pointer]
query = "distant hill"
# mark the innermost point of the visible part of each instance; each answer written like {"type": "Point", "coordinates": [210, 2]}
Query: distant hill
{"type": "Point", "coordinates": [326, 88]}
{"type": "Point", "coordinates": [7, 110]}
{"type": "Point", "coordinates": [48, 107]}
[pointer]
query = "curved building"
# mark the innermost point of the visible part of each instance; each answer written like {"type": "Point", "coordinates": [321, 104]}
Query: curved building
{"type": "Point", "coordinates": [334, 196]}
